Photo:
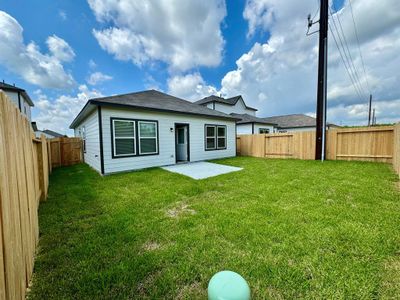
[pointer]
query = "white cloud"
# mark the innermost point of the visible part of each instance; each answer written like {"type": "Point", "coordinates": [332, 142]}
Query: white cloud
{"type": "Point", "coordinates": [60, 48]}
{"type": "Point", "coordinates": [98, 77]}
{"type": "Point", "coordinates": [354, 114]}
{"type": "Point", "coordinates": [280, 75]}
{"type": "Point", "coordinates": [44, 70]}
{"type": "Point", "coordinates": [190, 87]}
{"type": "Point", "coordinates": [58, 114]}
{"type": "Point", "coordinates": [183, 34]}
{"type": "Point", "coordinates": [63, 15]}
{"type": "Point", "coordinates": [92, 64]}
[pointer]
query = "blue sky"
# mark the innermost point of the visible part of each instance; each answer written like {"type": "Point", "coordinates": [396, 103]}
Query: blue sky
{"type": "Point", "coordinates": [254, 48]}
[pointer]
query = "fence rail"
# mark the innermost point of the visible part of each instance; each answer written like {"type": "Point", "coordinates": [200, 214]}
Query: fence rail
{"type": "Point", "coordinates": [378, 144]}
{"type": "Point", "coordinates": [25, 164]}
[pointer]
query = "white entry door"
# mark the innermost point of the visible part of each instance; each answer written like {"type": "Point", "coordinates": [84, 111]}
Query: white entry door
{"type": "Point", "coordinates": [182, 143]}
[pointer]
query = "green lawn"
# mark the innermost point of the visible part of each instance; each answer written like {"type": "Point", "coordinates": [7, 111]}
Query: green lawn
{"type": "Point", "coordinates": [293, 229]}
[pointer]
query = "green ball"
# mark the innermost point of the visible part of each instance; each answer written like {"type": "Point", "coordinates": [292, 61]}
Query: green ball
{"type": "Point", "coordinates": [228, 285]}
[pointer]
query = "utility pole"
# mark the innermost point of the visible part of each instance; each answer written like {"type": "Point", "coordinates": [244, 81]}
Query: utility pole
{"type": "Point", "coordinates": [369, 110]}
{"type": "Point", "coordinates": [320, 141]}
{"type": "Point", "coordinates": [373, 117]}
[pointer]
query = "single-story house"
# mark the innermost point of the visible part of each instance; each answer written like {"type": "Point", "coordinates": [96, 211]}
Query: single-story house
{"type": "Point", "coordinates": [49, 134]}
{"type": "Point", "coordinates": [19, 97]}
{"type": "Point", "coordinates": [295, 122]}
{"type": "Point", "coordinates": [151, 129]}
{"type": "Point", "coordinates": [248, 124]}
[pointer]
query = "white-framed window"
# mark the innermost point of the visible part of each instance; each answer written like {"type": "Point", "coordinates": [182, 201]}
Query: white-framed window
{"type": "Point", "coordinates": [124, 137]}
{"type": "Point", "coordinates": [263, 130]}
{"type": "Point", "coordinates": [148, 137]}
{"type": "Point", "coordinates": [221, 137]}
{"type": "Point", "coordinates": [215, 137]}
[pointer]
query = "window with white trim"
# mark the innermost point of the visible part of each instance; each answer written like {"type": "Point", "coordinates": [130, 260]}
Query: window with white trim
{"type": "Point", "coordinates": [124, 137]}
{"type": "Point", "coordinates": [147, 137]}
{"type": "Point", "coordinates": [215, 137]}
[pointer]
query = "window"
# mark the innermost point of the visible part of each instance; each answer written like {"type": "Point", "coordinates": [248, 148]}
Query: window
{"type": "Point", "coordinates": [221, 137]}
{"type": "Point", "coordinates": [215, 137]}
{"type": "Point", "coordinates": [83, 136]}
{"type": "Point", "coordinates": [134, 137]}
{"type": "Point", "coordinates": [124, 138]}
{"type": "Point", "coordinates": [147, 137]}
{"type": "Point", "coordinates": [263, 130]}
{"type": "Point", "coordinates": [210, 137]}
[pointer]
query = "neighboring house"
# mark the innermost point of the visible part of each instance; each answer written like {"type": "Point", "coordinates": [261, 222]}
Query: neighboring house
{"type": "Point", "coordinates": [50, 134]}
{"type": "Point", "coordinates": [231, 105]}
{"type": "Point", "coordinates": [248, 124]}
{"type": "Point", "coordinates": [295, 122]}
{"type": "Point", "coordinates": [20, 98]}
{"type": "Point", "coordinates": [150, 129]}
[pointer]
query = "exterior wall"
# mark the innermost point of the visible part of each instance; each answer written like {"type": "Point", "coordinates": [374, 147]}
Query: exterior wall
{"type": "Point", "coordinates": [92, 154]}
{"type": "Point", "coordinates": [25, 107]}
{"type": "Point", "coordinates": [238, 108]}
{"type": "Point", "coordinates": [243, 128]}
{"type": "Point", "coordinates": [247, 128]}
{"type": "Point", "coordinates": [39, 133]}
{"type": "Point", "coordinates": [166, 140]}
{"type": "Point", "coordinates": [257, 126]}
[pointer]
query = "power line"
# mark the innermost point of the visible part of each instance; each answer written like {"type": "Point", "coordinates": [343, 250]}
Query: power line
{"type": "Point", "coordinates": [349, 59]}
{"type": "Point", "coordinates": [359, 48]}
{"type": "Point", "coordinates": [344, 63]}
{"type": "Point", "coordinates": [348, 50]}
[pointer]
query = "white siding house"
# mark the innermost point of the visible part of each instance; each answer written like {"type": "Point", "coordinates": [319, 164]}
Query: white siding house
{"type": "Point", "coordinates": [233, 105]}
{"type": "Point", "coordinates": [19, 97]}
{"type": "Point", "coordinates": [151, 129]}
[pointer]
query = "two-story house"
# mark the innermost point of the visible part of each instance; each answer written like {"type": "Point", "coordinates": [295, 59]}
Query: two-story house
{"type": "Point", "coordinates": [19, 96]}
{"type": "Point", "coordinates": [248, 122]}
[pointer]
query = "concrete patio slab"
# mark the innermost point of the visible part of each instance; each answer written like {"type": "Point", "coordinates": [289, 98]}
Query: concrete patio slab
{"type": "Point", "coordinates": [201, 170]}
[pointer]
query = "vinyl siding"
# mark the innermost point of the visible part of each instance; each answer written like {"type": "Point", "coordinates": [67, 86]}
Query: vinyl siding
{"type": "Point", "coordinates": [247, 128]}
{"type": "Point", "coordinates": [238, 108]}
{"type": "Point", "coordinates": [166, 154]}
{"type": "Point", "coordinates": [25, 107]}
{"type": "Point", "coordinates": [92, 155]}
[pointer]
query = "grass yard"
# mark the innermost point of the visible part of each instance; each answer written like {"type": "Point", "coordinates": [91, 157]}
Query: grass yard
{"type": "Point", "coordinates": [293, 229]}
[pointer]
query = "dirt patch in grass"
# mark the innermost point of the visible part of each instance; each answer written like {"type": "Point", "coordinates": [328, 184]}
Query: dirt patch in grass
{"type": "Point", "coordinates": [151, 246]}
{"type": "Point", "coordinates": [181, 209]}
{"type": "Point", "coordinates": [146, 284]}
{"type": "Point", "coordinates": [192, 291]}
{"type": "Point", "coordinates": [390, 288]}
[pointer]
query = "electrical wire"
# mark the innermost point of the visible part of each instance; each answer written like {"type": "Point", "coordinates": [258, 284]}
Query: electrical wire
{"type": "Point", "coordinates": [359, 48]}
{"type": "Point", "coordinates": [354, 69]}
{"type": "Point", "coordinates": [344, 63]}
{"type": "Point", "coordinates": [346, 59]}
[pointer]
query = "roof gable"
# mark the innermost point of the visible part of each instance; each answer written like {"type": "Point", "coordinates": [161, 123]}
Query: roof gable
{"type": "Point", "coordinates": [227, 101]}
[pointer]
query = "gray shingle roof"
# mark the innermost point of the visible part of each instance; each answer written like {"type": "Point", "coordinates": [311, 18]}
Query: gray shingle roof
{"type": "Point", "coordinates": [8, 87]}
{"type": "Point", "coordinates": [53, 133]}
{"type": "Point", "coordinates": [228, 101]}
{"type": "Point", "coordinates": [154, 100]}
{"type": "Point", "coordinates": [291, 121]}
{"type": "Point", "coordinates": [246, 118]}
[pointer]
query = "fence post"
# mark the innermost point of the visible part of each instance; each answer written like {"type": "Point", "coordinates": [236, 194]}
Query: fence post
{"type": "Point", "coordinates": [45, 167]}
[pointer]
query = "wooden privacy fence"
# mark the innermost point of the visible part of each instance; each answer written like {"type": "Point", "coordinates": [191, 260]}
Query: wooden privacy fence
{"type": "Point", "coordinates": [379, 144]}
{"type": "Point", "coordinates": [24, 172]}
{"type": "Point", "coordinates": [65, 151]}
{"type": "Point", "coordinates": [25, 165]}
